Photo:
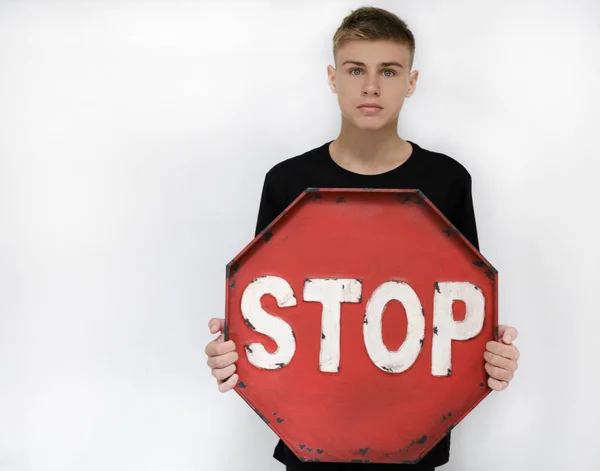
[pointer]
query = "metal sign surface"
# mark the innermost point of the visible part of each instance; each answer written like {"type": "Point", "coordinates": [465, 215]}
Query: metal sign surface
{"type": "Point", "coordinates": [361, 318]}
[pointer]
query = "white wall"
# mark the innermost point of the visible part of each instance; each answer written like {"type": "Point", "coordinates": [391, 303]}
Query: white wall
{"type": "Point", "coordinates": [133, 141]}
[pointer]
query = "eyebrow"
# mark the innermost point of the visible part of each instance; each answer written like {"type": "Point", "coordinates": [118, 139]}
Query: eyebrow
{"type": "Point", "coordinates": [382, 64]}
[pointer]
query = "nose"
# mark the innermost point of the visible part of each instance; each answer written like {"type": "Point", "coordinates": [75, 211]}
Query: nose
{"type": "Point", "coordinates": [371, 85]}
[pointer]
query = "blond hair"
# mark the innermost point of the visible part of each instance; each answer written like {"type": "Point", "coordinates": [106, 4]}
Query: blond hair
{"type": "Point", "coordinates": [371, 24]}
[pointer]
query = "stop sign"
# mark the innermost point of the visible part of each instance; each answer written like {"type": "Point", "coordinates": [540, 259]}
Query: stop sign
{"type": "Point", "coordinates": [361, 318]}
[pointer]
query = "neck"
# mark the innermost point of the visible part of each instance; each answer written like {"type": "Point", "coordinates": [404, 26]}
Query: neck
{"type": "Point", "coordinates": [369, 151]}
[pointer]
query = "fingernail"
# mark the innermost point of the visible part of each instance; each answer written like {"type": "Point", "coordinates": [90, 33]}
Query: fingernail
{"type": "Point", "coordinates": [508, 339]}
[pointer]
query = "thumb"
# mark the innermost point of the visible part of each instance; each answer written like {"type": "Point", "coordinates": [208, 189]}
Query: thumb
{"type": "Point", "coordinates": [507, 334]}
{"type": "Point", "coordinates": [216, 325]}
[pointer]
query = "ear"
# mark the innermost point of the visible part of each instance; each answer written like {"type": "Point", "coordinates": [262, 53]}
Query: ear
{"type": "Point", "coordinates": [331, 78]}
{"type": "Point", "coordinates": [412, 85]}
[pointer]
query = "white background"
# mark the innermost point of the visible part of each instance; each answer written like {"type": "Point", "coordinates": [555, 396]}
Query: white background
{"type": "Point", "coordinates": [133, 142]}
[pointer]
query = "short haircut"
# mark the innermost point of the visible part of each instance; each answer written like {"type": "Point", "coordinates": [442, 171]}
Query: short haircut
{"type": "Point", "coordinates": [372, 24]}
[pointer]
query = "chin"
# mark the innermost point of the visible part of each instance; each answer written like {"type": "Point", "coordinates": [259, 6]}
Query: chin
{"type": "Point", "coordinates": [370, 124]}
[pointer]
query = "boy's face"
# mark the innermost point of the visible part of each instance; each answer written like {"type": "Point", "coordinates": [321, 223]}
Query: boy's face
{"type": "Point", "coordinates": [372, 72]}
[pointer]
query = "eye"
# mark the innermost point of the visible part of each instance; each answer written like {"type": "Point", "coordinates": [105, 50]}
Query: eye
{"type": "Point", "coordinates": [389, 72]}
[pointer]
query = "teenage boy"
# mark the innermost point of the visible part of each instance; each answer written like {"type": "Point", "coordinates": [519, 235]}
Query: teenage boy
{"type": "Point", "coordinates": [373, 53]}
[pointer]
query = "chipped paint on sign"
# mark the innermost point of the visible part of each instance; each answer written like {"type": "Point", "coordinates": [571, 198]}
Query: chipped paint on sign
{"type": "Point", "coordinates": [379, 297]}
{"type": "Point", "coordinates": [447, 328]}
{"type": "Point", "coordinates": [270, 325]}
{"type": "Point", "coordinates": [403, 358]}
{"type": "Point", "coordinates": [331, 293]}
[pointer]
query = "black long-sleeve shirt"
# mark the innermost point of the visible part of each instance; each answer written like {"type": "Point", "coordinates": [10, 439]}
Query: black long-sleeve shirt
{"type": "Point", "coordinates": [442, 179]}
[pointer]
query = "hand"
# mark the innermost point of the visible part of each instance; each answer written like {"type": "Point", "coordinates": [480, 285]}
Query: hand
{"type": "Point", "coordinates": [501, 358]}
{"type": "Point", "coordinates": [221, 357]}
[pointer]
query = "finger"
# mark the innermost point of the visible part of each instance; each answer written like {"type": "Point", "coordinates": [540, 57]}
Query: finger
{"type": "Point", "coordinates": [222, 361]}
{"type": "Point", "coordinates": [498, 373]}
{"type": "Point", "coordinates": [497, 385]}
{"type": "Point", "coordinates": [224, 373]}
{"type": "Point", "coordinates": [219, 347]}
{"type": "Point", "coordinates": [507, 351]}
{"type": "Point", "coordinates": [507, 333]}
{"type": "Point", "coordinates": [229, 384]}
{"type": "Point", "coordinates": [501, 362]}
{"type": "Point", "coordinates": [216, 325]}
{"type": "Point", "coordinates": [211, 347]}
{"type": "Point", "coordinates": [222, 348]}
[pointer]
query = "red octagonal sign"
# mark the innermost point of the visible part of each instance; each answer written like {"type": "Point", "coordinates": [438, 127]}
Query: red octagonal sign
{"type": "Point", "coordinates": [361, 318]}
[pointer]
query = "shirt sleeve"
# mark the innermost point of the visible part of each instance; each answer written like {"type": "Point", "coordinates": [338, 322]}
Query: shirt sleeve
{"type": "Point", "coordinates": [269, 207]}
{"type": "Point", "coordinates": [464, 213]}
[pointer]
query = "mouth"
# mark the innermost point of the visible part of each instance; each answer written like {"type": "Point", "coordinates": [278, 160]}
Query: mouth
{"type": "Point", "coordinates": [370, 108]}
